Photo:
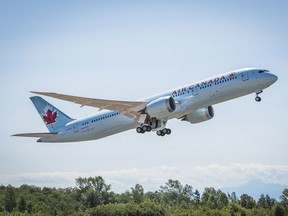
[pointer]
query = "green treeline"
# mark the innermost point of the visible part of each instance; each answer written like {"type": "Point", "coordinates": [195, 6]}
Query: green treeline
{"type": "Point", "coordinates": [93, 197]}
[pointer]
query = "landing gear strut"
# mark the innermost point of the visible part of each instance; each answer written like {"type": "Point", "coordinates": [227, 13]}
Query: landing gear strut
{"type": "Point", "coordinates": [163, 132]}
{"type": "Point", "coordinates": [257, 98]}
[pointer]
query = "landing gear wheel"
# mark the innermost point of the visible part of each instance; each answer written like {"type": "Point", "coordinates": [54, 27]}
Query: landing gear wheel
{"type": "Point", "coordinates": [149, 128]}
{"type": "Point", "coordinates": [139, 130]}
{"type": "Point", "coordinates": [258, 99]}
{"type": "Point", "coordinates": [168, 131]}
{"type": "Point", "coordinates": [145, 128]}
{"type": "Point", "coordinates": [160, 133]}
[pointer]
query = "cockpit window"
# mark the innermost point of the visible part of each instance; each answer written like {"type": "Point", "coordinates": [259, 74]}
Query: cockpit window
{"type": "Point", "coordinates": [263, 71]}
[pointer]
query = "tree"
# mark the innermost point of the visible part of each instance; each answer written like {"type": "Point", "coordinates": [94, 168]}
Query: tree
{"type": "Point", "coordinates": [262, 201]}
{"type": "Point", "coordinates": [266, 201]}
{"type": "Point", "coordinates": [278, 210]}
{"type": "Point", "coordinates": [232, 197]}
{"type": "Point", "coordinates": [284, 198]}
{"type": "Point", "coordinates": [197, 197]}
{"type": "Point", "coordinates": [93, 191]}
{"type": "Point", "coordinates": [137, 193]}
{"type": "Point", "coordinates": [10, 199]}
{"type": "Point", "coordinates": [175, 193]}
{"type": "Point", "coordinates": [247, 201]}
{"type": "Point", "coordinates": [142, 209]}
{"type": "Point", "coordinates": [22, 204]}
{"type": "Point", "coordinates": [29, 208]}
{"type": "Point", "coordinates": [214, 199]}
{"type": "Point", "coordinates": [125, 197]}
{"type": "Point", "coordinates": [236, 209]}
{"type": "Point", "coordinates": [155, 197]}
{"type": "Point", "coordinates": [96, 183]}
{"type": "Point", "coordinates": [91, 199]}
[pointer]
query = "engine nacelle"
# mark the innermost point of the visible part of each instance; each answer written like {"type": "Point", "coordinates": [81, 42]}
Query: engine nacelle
{"type": "Point", "coordinates": [161, 107]}
{"type": "Point", "coordinates": [200, 115]}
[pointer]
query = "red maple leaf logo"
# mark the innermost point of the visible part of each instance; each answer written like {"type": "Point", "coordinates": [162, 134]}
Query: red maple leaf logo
{"type": "Point", "coordinates": [231, 74]}
{"type": "Point", "coordinates": [50, 117]}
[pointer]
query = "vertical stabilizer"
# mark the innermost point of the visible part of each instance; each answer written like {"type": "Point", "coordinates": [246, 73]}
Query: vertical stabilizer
{"type": "Point", "coordinates": [53, 118]}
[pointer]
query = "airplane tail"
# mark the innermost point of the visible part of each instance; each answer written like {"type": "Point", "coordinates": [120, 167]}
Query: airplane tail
{"type": "Point", "coordinates": [53, 118]}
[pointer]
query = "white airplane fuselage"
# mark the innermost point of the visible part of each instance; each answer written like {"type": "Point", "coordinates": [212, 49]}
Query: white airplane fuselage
{"type": "Point", "coordinates": [188, 98]}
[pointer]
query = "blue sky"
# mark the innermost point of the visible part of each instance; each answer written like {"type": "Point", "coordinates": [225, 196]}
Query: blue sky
{"type": "Point", "coordinates": [129, 50]}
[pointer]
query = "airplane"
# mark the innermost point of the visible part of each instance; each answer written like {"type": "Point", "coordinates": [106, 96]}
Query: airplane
{"type": "Point", "coordinates": [191, 103]}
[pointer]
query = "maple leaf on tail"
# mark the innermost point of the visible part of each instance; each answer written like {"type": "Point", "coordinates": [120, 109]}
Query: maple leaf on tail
{"type": "Point", "coordinates": [50, 117]}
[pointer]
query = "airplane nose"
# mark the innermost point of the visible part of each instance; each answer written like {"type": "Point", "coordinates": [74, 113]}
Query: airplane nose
{"type": "Point", "coordinates": [274, 78]}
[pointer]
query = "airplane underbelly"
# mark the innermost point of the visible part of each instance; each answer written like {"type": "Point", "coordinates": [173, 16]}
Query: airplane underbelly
{"type": "Point", "coordinates": [96, 131]}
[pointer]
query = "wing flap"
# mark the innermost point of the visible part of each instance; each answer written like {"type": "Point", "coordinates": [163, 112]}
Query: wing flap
{"type": "Point", "coordinates": [46, 135]}
{"type": "Point", "coordinates": [130, 109]}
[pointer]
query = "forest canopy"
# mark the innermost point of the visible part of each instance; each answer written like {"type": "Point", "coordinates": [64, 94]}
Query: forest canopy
{"type": "Point", "coordinates": [92, 196]}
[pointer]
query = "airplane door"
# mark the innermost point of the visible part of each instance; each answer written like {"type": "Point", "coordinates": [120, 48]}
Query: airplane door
{"type": "Point", "coordinates": [194, 91]}
{"type": "Point", "coordinates": [245, 76]}
{"type": "Point", "coordinates": [75, 128]}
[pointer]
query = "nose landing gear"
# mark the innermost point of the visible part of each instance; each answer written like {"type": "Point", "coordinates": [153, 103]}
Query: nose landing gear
{"type": "Point", "coordinates": [257, 98]}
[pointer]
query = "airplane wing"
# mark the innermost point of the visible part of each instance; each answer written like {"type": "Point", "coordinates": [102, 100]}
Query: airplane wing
{"type": "Point", "coordinates": [130, 109]}
{"type": "Point", "coordinates": [46, 135]}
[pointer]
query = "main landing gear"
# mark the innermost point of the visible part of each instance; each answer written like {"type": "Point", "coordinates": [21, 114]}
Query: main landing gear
{"type": "Point", "coordinates": [143, 129]}
{"type": "Point", "coordinates": [163, 132]}
{"type": "Point", "coordinates": [257, 98]}
{"type": "Point", "coordinates": [147, 128]}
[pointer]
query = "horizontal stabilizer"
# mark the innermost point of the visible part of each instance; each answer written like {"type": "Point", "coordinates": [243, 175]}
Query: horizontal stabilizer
{"type": "Point", "coordinates": [46, 135]}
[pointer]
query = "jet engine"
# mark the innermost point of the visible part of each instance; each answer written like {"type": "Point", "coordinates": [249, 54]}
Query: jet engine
{"type": "Point", "coordinates": [200, 115]}
{"type": "Point", "coordinates": [161, 107]}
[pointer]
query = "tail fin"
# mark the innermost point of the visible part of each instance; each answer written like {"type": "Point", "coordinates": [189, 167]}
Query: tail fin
{"type": "Point", "coordinates": [53, 118]}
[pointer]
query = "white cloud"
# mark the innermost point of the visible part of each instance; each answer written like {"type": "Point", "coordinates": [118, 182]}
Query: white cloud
{"type": "Point", "coordinates": [214, 175]}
